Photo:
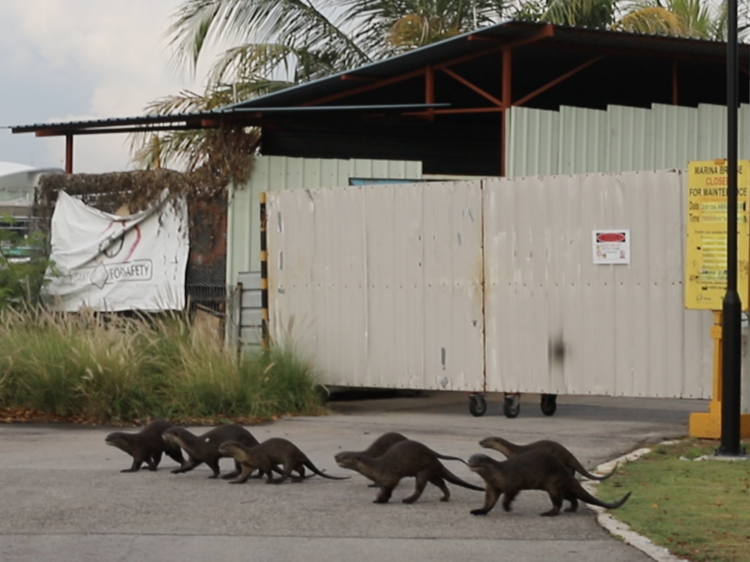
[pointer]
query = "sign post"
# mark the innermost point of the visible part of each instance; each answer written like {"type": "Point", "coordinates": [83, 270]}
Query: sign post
{"type": "Point", "coordinates": [707, 268]}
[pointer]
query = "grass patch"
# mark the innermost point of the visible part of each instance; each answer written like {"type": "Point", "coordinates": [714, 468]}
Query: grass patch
{"type": "Point", "coordinates": [699, 510]}
{"type": "Point", "coordinates": [114, 369]}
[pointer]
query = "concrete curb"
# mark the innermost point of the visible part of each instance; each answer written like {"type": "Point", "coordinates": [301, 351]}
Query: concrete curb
{"type": "Point", "coordinates": [620, 529]}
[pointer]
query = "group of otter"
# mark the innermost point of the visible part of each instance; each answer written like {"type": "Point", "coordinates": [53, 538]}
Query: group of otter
{"type": "Point", "coordinates": [542, 465]}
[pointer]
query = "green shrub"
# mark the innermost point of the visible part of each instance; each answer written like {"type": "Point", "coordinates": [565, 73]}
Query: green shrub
{"type": "Point", "coordinates": [111, 368]}
{"type": "Point", "coordinates": [23, 262]}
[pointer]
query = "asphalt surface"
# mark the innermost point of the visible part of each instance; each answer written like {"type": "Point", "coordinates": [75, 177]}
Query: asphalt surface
{"type": "Point", "coordinates": [64, 498]}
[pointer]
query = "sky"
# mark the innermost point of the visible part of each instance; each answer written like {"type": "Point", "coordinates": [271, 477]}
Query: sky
{"type": "Point", "coordinates": [66, 60]}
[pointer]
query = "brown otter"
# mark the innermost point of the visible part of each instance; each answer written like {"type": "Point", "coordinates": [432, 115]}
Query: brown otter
{"type": "Point", "coordinates": [380, 446]}
{"type": "Point", "coordinates": [268, 454]}
{"type": "Point", "coordinates": [206, 447]}
{"type": "Point", "coordinates": [145, 446]}
{"type": "Point", "coordinates": [535, 470]}
{"type": "Point", "coordinates": [383, 443]}
{"type": "Point", "coordinates": [405, 458]}
{"type": "Point", "coordinates": [552, 447]}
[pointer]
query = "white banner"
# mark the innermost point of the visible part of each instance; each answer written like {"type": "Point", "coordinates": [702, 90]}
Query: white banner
{"type": "Point", "coordinates": [110, 262]}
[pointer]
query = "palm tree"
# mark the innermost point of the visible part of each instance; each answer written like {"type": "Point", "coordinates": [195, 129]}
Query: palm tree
{"type": "Point", "coordinates": [700, 19]}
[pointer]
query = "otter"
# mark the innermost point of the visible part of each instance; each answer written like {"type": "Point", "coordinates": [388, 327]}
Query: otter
{"type": "Point", "coordinates": [535, 470]}
{"type": "Point", "coordinates": [379, 447]}
{"type": "Point", "coordinates": [268, 454]}
{"type": "Point", "coordinates": [145, 446]}
{"type": "Point", "coordinates": [405, 458]}
{"type": "Point", "coordinates": [205, 449]}
{"type": "Point", "coordinates": [552, 447]}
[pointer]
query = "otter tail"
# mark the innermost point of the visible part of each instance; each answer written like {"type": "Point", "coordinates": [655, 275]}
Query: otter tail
{"type": "Point", "coordinates": [319, 472]}
{"type": "Point", "coordinates": [584, 496]}
{"type": "Point", "coordinates": [174, 452]}
{"type": "Point", "coordinates": [590, 476]}
{"type": "Point", "coordinates": [449, 458]}
{"type": "Point", "coordinates": [453, 479]}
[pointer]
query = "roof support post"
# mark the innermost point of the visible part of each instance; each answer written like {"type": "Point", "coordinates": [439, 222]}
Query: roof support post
{"type": "Point", "coordinates": [429, 90]}
{"type": "Point", "coordinates": [69, 153]}
{"type": "Point", "coordinates": [507, 101]}
{"type": "Point", "coordinates": [675, 84]}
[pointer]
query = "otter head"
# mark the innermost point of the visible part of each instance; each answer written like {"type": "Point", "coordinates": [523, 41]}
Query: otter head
{"type": "Point", "coordinates": [228, 448]}
{"type": "Point", "coordinates": [497, 443]}
{"type": "Point", "coordinates": [477, 462]}
{"type": "Point", "coordinates": [347, 459]}
{"type": "Point", "coordinates": [119, 439]}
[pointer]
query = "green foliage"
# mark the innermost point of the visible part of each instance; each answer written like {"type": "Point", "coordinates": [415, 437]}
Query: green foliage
{"type": "Point", "coordinates": [23, 261]}
{"type": "Point", "coordinates": [111, 368]}
{"type": "Point", "coordinates": [696, 509]}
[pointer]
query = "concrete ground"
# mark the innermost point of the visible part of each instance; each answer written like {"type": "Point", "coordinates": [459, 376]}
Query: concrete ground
{"type": "Point", "coordinates": [63, 496]}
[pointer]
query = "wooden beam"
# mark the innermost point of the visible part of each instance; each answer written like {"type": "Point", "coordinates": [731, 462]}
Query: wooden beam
{"type": "Point", "coordinates": [357, 77]}
{"type": "Point", "coordinates": [544, 33]}
{"type": "Point", "coordinates": [507, 100]}
{"type": "Point", "coordinates": [429, 89]}
{"type": "Point", "coordinates": [373, 86]}
{"type": "Point", "coordinates": [69, 153]}
{"type": "Point", "coordinates": [557, 80]}
{"type": "Point", "coordinates": [469, 110]}
{"type": "Point", "coordinates": [473, 87]}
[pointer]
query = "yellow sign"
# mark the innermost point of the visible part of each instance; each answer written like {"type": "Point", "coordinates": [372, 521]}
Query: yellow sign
{"type": "Point", "coordinates": [706, 260]}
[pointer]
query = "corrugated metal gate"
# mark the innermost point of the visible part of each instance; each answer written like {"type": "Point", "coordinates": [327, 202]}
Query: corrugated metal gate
{"type": "Point", "coordinates": [465, 285]}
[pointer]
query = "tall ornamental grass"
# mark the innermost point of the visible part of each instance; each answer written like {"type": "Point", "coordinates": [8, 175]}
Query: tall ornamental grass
{"type": "Point", "coordinates": [112, 368]}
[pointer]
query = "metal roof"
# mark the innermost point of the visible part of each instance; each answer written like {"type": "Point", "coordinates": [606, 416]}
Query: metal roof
{"type": "Point", "coordinates": [502, 34]}
{"type": "Point", "coordinates": [446, 104]}
{"type": "Point", "coordinates": [146, 123]}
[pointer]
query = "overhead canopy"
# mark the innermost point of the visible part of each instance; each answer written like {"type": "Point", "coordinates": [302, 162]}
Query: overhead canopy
{"type": "Point", "coordinates": [444, 104]}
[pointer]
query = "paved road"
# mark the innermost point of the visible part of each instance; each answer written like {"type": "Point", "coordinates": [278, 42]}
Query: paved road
{"type": "Point", "coordinates": [63, 497]}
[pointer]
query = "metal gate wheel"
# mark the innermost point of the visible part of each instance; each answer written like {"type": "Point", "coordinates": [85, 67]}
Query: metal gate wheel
{"type": "Point", "coordinates": [477, 405]}
{"type": "Point", "coordinates": [512, 405]}
{"type": "Point", "coordinates": [549, 404]}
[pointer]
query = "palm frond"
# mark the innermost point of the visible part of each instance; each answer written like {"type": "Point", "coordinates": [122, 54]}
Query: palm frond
{"type": "Point", "coordinates": [653, 21]}
{"type": "Point", "coordinates": [584, 13]}
{"type": "Point", "coordinates": [288, 22]}
{"type": "Point", "coordinates": [255, 63]}
{"type": "Point", "coordinates": [178, 149]}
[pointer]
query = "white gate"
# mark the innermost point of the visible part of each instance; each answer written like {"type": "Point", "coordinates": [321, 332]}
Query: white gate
{"type": "Point", "coordinates": [382, 283]}
{"type": "Point", "coordinates": [472, 286]}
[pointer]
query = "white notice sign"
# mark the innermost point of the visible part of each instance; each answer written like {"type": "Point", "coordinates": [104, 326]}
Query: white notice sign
{"type": "Point", "coordinates": [611, 246]}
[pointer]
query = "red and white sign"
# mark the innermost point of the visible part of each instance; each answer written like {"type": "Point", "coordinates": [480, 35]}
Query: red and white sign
{"type": "Point", "coordinates": [611, 246]}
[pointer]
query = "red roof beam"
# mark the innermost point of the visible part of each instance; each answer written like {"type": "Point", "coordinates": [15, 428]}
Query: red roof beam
{"type": "Point", "coordinates": [557, 80]}
{"type": "Point", "coordinates": [473, 87]}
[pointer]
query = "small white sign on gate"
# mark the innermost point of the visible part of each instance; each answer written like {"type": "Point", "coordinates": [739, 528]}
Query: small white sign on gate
{"type": "Point", "coordinates": [611, 246]}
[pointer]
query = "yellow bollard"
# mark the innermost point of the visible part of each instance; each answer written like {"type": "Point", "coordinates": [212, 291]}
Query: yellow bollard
{"type": "Point", "coordinates": [707, 425]}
